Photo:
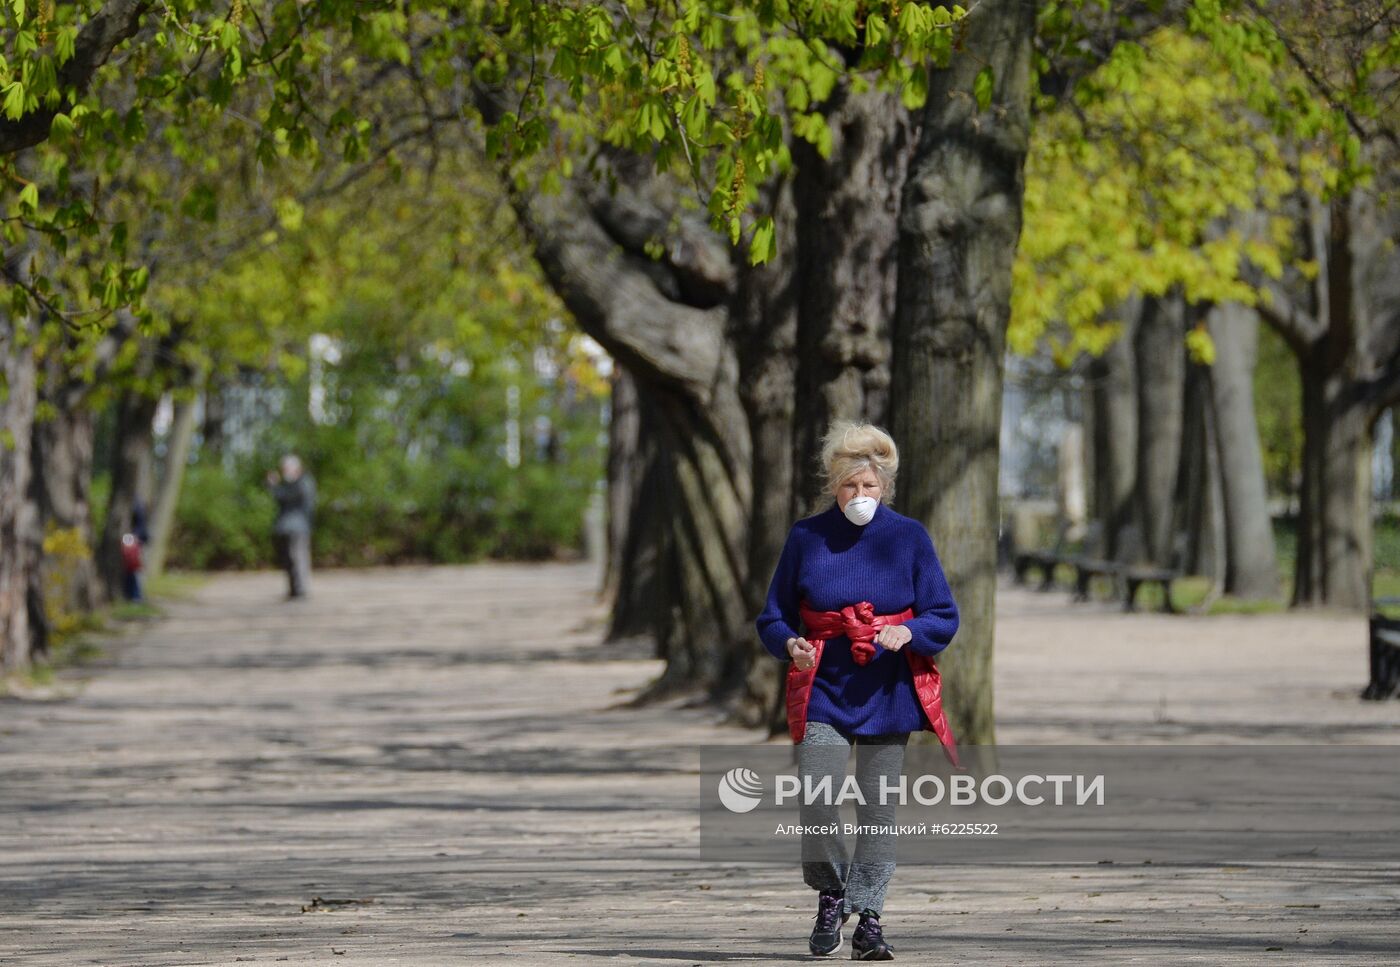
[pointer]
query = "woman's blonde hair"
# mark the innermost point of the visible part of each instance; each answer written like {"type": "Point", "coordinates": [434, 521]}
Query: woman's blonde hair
{"type": "Point", "coordinates": [848, 448]}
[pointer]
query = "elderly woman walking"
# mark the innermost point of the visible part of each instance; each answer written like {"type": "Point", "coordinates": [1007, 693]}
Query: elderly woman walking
{"type": "Point", "coordinates": [859, 605]}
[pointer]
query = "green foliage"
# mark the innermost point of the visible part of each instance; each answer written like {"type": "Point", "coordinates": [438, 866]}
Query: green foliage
{"type": "Point", "coordinates": [1137, 186]}
{"type": "Point", "coordinates": [65, 551]}
{"type": "Point", "coordinates": [1317, 72]}
{"type": "Point", "coordinates": [409, 469]}
{"type": "Point", "coordinates": [710, 89]}
{"type": "Point", "coordinates": [389, 328]}
{"type": "Point", "coordinates": [222, 521]}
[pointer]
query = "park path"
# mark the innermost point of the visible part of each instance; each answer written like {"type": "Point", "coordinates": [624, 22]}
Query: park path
{"type": "Point", "coordinates": [440, 755]}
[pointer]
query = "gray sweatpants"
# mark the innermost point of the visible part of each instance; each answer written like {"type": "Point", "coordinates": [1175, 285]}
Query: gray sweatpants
{"type": "Point", "coordinates": [294, 551]}
{"type": "Point", "coordinates": [824, 750]}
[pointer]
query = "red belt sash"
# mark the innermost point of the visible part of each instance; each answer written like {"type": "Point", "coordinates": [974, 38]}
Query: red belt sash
{"type": "Point", "coordinates": [861, 624]}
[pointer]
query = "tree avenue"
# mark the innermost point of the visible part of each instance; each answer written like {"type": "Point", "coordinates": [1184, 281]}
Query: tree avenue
{"type": "Point", "coordinates": [771, 214]}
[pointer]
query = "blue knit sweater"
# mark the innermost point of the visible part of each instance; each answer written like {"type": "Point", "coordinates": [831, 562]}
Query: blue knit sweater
{"type": "Point", "coordinates": [889, 562]}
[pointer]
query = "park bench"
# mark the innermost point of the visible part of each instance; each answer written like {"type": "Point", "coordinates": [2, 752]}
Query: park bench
{"type": "Point", "coordinates": [1088, 568]}
{"type": "Point", "coordinates": [1135, 576]}
{"type": "Point", "coordinates": [1385, 652]}
{"type": "Point", "coordinates": [1047, 559]}
{"type": "Point", "coordinates": [1129, 578]}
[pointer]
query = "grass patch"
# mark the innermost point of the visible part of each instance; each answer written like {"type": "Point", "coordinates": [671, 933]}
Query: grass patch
{"type": "Point", "coordinates": [175, 585]}
{"type": "Point", "coordinates": [134, 611]}
{"type": "Point", "coordinates": [1227, 604]}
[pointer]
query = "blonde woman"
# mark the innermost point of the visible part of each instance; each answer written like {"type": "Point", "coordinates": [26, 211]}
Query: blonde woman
{"type": "Point", "coordinates": [859, 605]}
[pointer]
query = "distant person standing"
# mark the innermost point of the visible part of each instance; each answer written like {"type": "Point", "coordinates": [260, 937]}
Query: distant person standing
{"type": "Point", "coordinates": [132, 543]}
{"type": "Point", "coordinates": [295, 493]}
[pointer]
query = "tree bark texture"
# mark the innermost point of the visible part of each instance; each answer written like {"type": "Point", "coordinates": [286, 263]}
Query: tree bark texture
{"type": "Point", "coordinates": [62, 480]}
{"type": "Point", "coordinates": [1161, 371]}
{"type": "Point", "coordinates": [846, 236]}
{"type": "Point", "coordinates": [1114, 402]}
{"type": "Point", "coordinates": [959, 228]}
{"type": "Point", "coordinates": [1251, 565]}
{"type": "Point", "coordinates": [1197, 511]}
{"type": "Point", "coordinates": [19, 519]}
{"type": "Point", "coordinates": [168, 499]}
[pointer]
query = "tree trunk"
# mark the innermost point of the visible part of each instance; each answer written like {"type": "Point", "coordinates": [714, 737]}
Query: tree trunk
{"type": "Point", "coordinates": [1197, 509]}
{"type": "Point", "coordinates": [1161, 373]}
{"type": "Point", "coordinates": [1115, 408]}
{"type": "Point", "coordinates": [1251, 563]}
{"type": "Point", "coordinates": [710, 350]}
{"type": "Point", "coordinates": [163, 514]}
{"type": "Point", "coordinates": [811, 332]}
{"type": "Point", "coordinates": [634, 515]}
{"type": "Point", "coordinates": [1347, 342]}
{"type": "Point", "coordinates": [847, 237]}
{"type": "Point", "coordinates": [63, 450]}
{"type": "Point", "coordinates": [665, 321]}
{"type": "Point", "coordinates": [19, 519]}
{"type": "Point", "coordinates": [959, 227]}
{"type": "Point", "coordinates": [1334, 522]}
{"type": "Point", "coordinates": [764, 327]}
{"type": "Point", "coordinates": [61, 484]}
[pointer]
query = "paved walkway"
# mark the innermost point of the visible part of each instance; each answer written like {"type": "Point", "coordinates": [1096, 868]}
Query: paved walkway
{"type": "Point", "coordinates": [438, 756]}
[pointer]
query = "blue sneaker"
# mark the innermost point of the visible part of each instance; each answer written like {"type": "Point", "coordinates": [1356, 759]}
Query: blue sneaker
{"type": "Point", "coordinates": [868, 942]}
{"type": "Point", "coordinates": [831, 914]}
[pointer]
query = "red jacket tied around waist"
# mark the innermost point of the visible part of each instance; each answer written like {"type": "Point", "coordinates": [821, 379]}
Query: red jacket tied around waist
{"type": "Point", "coordinates": [861, 624]}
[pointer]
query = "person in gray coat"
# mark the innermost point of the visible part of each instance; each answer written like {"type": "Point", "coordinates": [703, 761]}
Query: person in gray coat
{"type": "Point", "coordinates": [295, 493]}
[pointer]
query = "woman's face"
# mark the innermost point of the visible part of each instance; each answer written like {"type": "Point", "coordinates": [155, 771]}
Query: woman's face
{"type": "Point", "coordinates": [866, 483]}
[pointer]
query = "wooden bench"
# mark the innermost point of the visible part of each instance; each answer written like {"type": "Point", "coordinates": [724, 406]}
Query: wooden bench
{"type": "Point", "coordinates": [1127, 580]}
{"type": "Point", "coordinates": [1024, 562]}
{"type": "Point", "coordinates": [1047, 559]}
{"type": "Point", "coordinates": [1088, 568]}
{"type": "Point", "coordinates": [1135, 576]}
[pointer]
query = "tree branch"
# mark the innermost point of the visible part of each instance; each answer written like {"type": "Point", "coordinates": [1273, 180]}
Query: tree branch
{"type": "Point", "coordinates": [104, 354]}
{"type": "Point", "coordinates": [1299, 328]}
{"type": "Point", "coordinates": [1382, 391]}
{"type": "Point", "coordinates": [115, 23]}
{"type": "Point", "coordinates": [616, 302]}
{"type": "Point", "coordinates": [611, 293]}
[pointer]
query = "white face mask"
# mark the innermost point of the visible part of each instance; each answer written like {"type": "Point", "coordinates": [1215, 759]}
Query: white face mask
{"type": "Point", "coordinates": [860, 510]}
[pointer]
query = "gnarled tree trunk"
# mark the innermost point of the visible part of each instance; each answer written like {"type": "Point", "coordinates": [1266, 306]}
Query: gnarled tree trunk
{"type": "Point", "coordinates": [725, 359]}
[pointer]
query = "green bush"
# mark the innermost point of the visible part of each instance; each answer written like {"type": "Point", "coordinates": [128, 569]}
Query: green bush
{"type": "Point", "coordinates": [221, 522]}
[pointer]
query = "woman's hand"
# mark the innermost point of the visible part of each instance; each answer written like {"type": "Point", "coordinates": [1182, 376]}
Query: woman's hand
{"type": "Point", "coordinates": [803, 652]}
{"type": "Point", "coordinates": [893, 637]}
